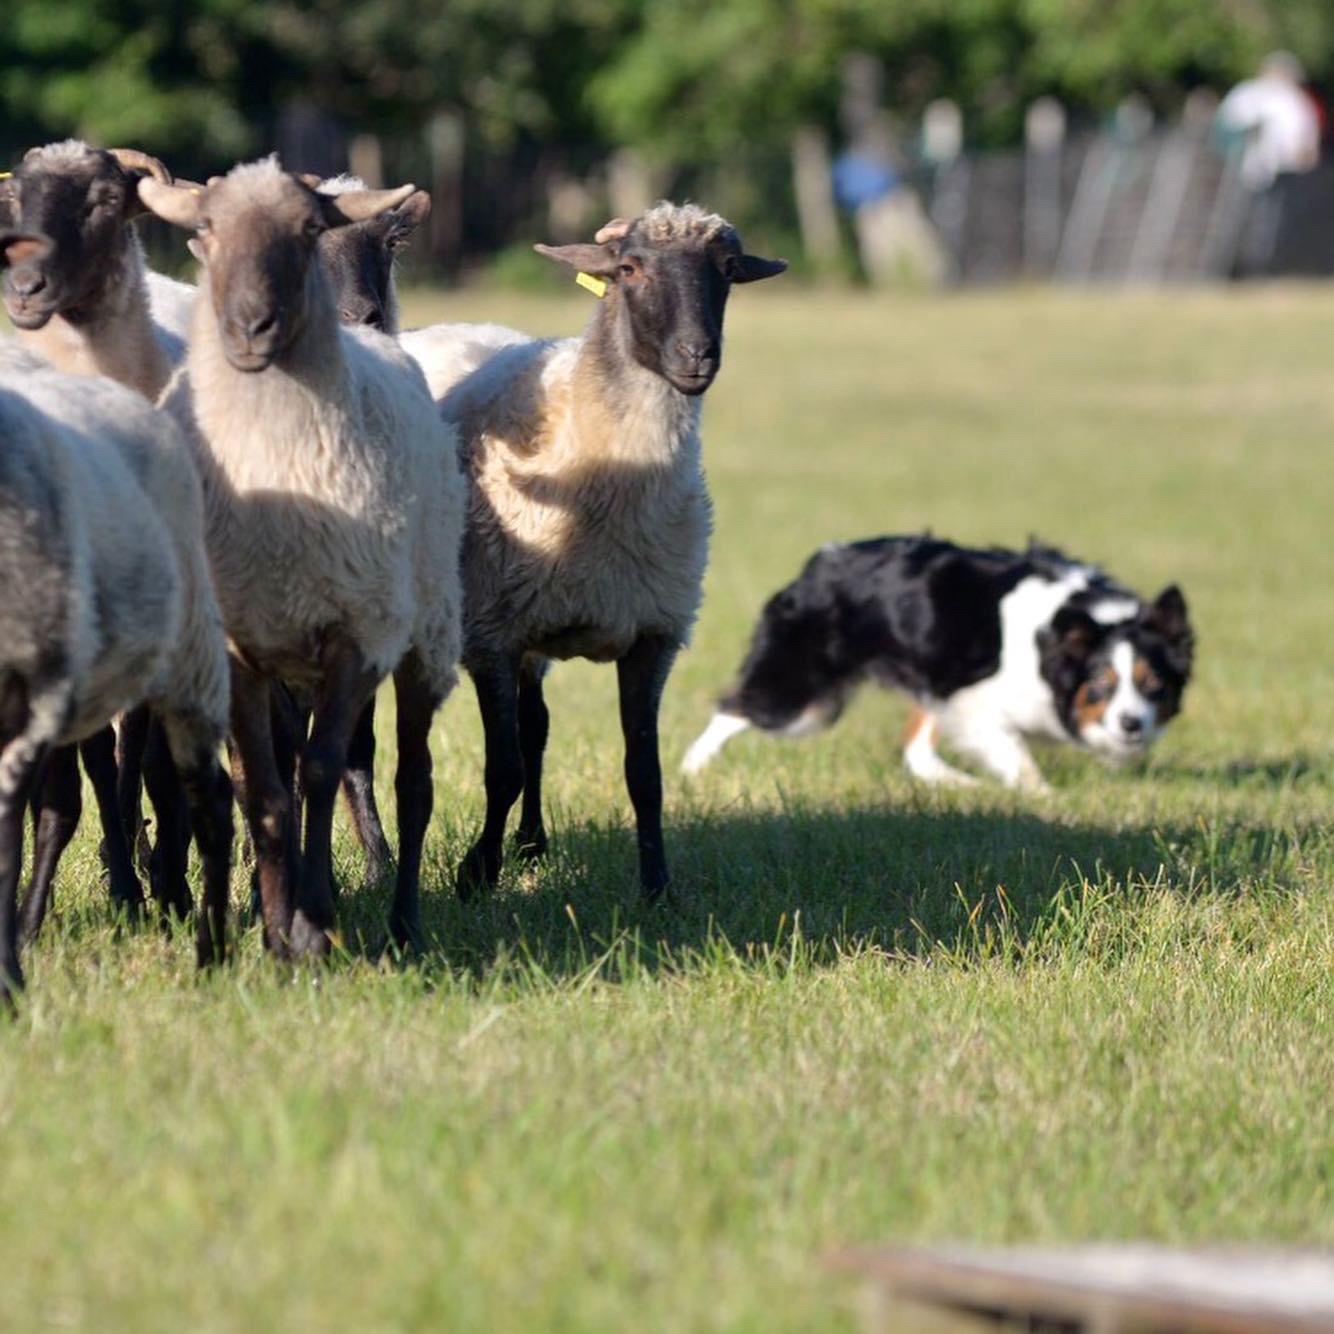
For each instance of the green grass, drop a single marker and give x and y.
(876, 1012)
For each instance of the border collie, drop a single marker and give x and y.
(995, 646)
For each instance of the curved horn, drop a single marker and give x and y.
(358, 205)
(178, 204)
(134, 160)
(613, 230)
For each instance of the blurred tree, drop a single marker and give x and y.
(550, 86)
(701, 78)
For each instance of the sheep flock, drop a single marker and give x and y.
(229, 511)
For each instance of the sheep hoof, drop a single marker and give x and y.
(655, 889)
(530, 845)
(406, 933)
(480, 869)
(208, 952)
(308, 940)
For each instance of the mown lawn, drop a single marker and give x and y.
(874, 1012)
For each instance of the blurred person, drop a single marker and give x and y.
(1278, 124)
(1279, 117)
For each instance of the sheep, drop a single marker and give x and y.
(107, 603)
(358, 261)
(334, 510)
(89, 305)
(589, 518)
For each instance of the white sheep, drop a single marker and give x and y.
(333, 517)
(107, 603)
(589, 519)
(358, 261)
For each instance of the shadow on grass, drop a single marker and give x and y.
(905, 881)
(1282, 771)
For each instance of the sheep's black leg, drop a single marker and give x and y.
(348, 683)
(290, 723)
(641, 674)
(171, 850)
(268, 803)
(208, 795)
(59, 805)
(359, 789)
(98, 753)
(19, 761)
(534, 727)
(131, 739)
(497, 695)
(417, 703)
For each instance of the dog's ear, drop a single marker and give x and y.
(1073, 632)
(1168, 616)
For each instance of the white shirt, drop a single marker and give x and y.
(1286, 128)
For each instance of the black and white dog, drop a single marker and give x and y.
(995, 646)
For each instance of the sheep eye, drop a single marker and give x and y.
(627, 270)
(313, 229)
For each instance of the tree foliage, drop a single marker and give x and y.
(680, 79)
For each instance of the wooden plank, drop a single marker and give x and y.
(1132, 1286)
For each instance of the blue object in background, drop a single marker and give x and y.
(859, 180)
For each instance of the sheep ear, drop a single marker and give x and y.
(595, 259)
(361, 205)
(143, 165)
(178, 204)
(15, 247)
(407, 217)
(751, 268)
(615, 230)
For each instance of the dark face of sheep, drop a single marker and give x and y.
(81, 199)
(258, 231)
(669, 274)
(359, 262)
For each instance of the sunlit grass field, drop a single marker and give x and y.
(873, 1012)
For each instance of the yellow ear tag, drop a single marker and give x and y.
(598, 286)
(5, 175)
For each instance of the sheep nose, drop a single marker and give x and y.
(702, 351)
(26, 282)
(1132, 724)
(370, 317)
(260, 325)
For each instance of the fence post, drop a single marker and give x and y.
(812, 189)
(1044, 142)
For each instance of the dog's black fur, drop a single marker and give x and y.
(924, 615)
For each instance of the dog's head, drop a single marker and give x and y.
(1118, 684)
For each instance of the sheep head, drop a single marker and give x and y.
(359, 259)
(82, 199)
(258, 231)
(669, 273)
